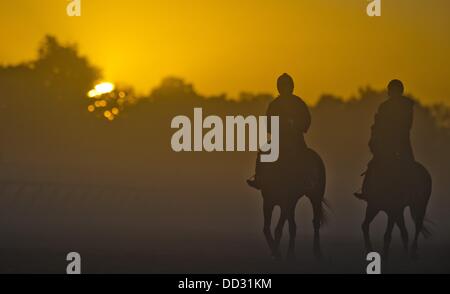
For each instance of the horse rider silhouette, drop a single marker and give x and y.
(390, 141)
(298, 172)
(394, 180)
(295, 121)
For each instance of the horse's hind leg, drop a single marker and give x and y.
(418, 216)
(419, 205)
(419, 227)
(317, 220)
(403, 231)
(388, 236)
(371, 213)
(267, 210)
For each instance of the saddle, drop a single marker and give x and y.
(290, 171)
(385, 179)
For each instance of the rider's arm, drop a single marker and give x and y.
(409, 117)
(269, 114)
(304, 118)
(307, 118)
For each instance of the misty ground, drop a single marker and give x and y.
(224, 256)
(188, 228)
(35, 241)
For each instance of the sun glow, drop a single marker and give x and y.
(101, 89)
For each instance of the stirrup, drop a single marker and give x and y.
(360, 196)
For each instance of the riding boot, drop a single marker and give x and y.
(254, 181)
(367, 183)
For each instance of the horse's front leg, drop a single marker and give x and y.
(388, 235)
(317, 220)
(292, 237)
(371, 213)
(279, 231)
(267, 210)
(403, 231)
(290, 216)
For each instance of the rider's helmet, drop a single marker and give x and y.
(395, 88)
(285, 84)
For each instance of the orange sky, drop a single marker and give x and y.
(230, 46)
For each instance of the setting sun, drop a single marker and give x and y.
(101, 89)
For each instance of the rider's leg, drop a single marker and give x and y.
(365, 185)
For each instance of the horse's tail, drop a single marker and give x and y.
(321, 180)
(324, 214)
(420, 200)
(426, 231)
(427, 223)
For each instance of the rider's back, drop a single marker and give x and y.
(391, 130)
(295, 120)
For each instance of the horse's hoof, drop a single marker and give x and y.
(406, 251)
(276, 255)
(414, 252)
(318, 253)
(291, 256)
(414, 256)
(367, 251)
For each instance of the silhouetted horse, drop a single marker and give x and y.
(284, 186)
(415, 192)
